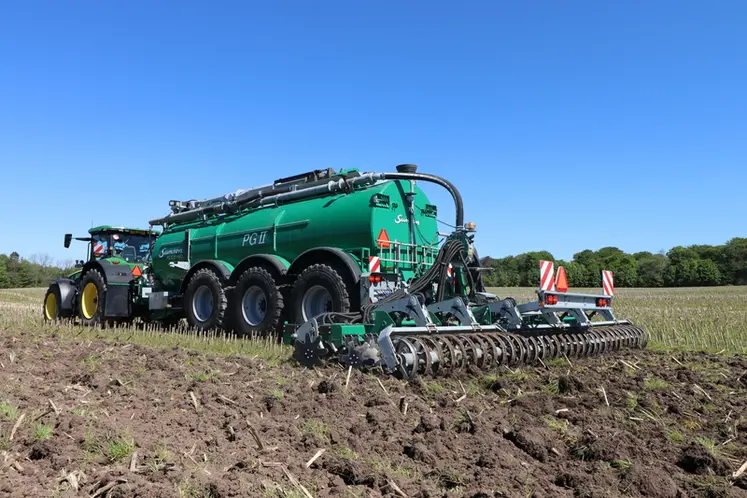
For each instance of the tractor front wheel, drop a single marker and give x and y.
(319, 289)
(205, 301)
(257, 304)
(92, 298)
(52, 304)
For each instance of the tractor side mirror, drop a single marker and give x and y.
(68, 238)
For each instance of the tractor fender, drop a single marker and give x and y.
(326, 255)
(276, 265)
(67, 293)
(221, 268)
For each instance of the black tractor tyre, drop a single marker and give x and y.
(207, 278)
(325, 276)
(259, 282)
(92, 298)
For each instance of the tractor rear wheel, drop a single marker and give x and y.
(257, 303)
(205, 301)
(92, 300)
(318, 289)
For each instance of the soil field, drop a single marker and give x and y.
(94, 417)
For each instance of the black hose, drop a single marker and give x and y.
(439, 181)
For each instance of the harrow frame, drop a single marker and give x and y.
(407, 337)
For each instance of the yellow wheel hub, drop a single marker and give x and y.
(89, 301)
(50, 307)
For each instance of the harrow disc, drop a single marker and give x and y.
(310, 351)
(435, 354)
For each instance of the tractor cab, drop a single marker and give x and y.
(127, 245)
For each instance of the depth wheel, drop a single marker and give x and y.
(205, 301)
(92, 301)
(257, 304)
(319, 289)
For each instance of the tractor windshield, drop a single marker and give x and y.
(133, 248)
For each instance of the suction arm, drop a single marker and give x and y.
(439, 181)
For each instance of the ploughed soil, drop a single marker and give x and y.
(115, 419)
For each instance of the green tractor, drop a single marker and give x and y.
(98, 292)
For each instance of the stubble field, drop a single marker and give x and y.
(128, 412)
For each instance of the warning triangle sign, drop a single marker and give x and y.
(561, 282)
(383, 239)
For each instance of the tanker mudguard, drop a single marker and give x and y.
(270, 261)
(222, 268)
(67, 293)
(318, 254)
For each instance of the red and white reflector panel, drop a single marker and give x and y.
(547, 275)
(98, 248)
(608, 283)
(374, 264)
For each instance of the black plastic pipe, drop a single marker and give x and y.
(439, 181)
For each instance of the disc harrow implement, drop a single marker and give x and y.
(444, 353)
(409, 334)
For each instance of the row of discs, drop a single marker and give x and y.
(437, 354)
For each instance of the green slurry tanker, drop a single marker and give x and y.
(347, 266)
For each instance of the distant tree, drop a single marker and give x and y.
(651, 269)
(707, 273)
(4, 280)
(592, 268)
(527, 265)
(735, 255)
(24, 276)
(679, 254)
(575, 273)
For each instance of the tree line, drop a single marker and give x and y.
(690, 266)
(36, 271)
(681, 266)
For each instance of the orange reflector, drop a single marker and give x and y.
(374, 279)
(602, 303)
(383, 239)
(561, 282)
(136, 272)
(551, 299)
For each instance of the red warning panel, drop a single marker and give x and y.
(561, 281)
(383, 239)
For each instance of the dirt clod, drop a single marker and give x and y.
(697, 460)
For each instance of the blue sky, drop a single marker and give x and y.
(566, 125)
